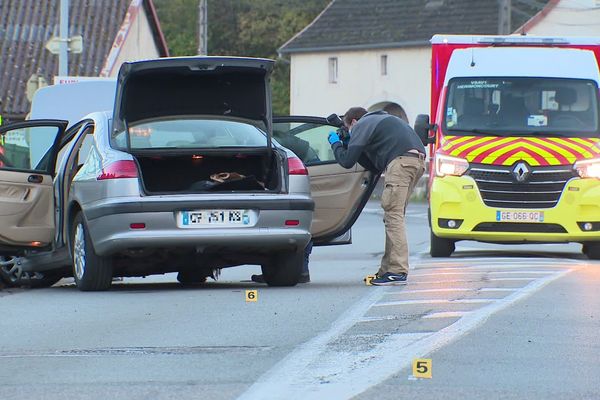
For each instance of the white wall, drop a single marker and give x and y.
(139, 43)
(571, 17)
(360, 82)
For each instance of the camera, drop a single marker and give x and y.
(341, 131)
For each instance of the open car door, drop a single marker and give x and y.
(340, 194)
(28, 153)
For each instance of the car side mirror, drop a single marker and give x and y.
(422, 127)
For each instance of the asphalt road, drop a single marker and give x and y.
(496, 321)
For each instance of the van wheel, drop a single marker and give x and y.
(283, 269)
(592, 250)
(440, 247)
(91, 271)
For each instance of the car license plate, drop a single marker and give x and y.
(519, 216)
(211, 218)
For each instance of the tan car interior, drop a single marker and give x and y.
(26, 209)
(337, 192)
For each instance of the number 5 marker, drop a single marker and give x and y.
(422, 368)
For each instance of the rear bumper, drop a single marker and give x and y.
(110, 231)
(458, 198)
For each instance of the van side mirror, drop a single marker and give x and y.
(422, 127)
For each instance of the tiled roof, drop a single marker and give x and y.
(26, 26)
(356, 24)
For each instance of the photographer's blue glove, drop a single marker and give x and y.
(333, 138)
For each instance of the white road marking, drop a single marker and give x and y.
(483, 272)
(433, 301)
(446, 314)
(432, 291)
(320, 368)
(425, 282)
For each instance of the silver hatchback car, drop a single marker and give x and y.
(187, 174)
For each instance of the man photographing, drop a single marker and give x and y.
(385, 143)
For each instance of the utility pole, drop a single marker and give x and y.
(504, 23)
(203, 27)
(63, 54)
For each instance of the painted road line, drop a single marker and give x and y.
(497, 289)
(483, 272)
(432, 291)
(484, 279)
(319, 369)
(433, 301)
(447, 314)
(507, 268)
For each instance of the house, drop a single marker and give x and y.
(376, 53)
(566, 17)
(113, 31)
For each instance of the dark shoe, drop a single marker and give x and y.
(304, 278)
(389, 279)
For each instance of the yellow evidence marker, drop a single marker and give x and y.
(368, 279)
(421, 368)
(251, 295)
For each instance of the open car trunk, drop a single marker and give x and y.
(211, 172)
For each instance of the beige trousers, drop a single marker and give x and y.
(401, 176)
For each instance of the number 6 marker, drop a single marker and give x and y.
(251, 295)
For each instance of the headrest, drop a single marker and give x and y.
(565, 96)
(473, 106)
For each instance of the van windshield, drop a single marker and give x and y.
(522, 106)
(191, 133)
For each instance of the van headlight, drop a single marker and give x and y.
(446, 165)
(588, 168)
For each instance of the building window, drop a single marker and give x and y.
(383, 64)
(333, 69)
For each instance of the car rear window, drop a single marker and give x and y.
(191, 133)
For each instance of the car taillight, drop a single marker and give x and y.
(119, 169)
(296, 167)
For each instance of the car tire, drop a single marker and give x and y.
(440, 247)
(283, 269)
(187, 277)
(91, 271)
(592, 250)
(13, 275)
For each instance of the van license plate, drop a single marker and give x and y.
(202, 218)
(519, 216)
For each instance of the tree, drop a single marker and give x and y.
(253, 28)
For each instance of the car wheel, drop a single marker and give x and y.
(91, 271)
(191, 277)
(283, 269)
(10, 270)
(440, 247)
(13, 275)
(592, 250)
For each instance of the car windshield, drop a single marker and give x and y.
(191, 133)
(522, 106)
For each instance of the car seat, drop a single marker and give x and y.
(473, 113)
(513, 111)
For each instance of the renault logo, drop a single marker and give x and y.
(521, 172)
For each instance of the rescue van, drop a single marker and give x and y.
(514, 141)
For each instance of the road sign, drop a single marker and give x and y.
(75, 44)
